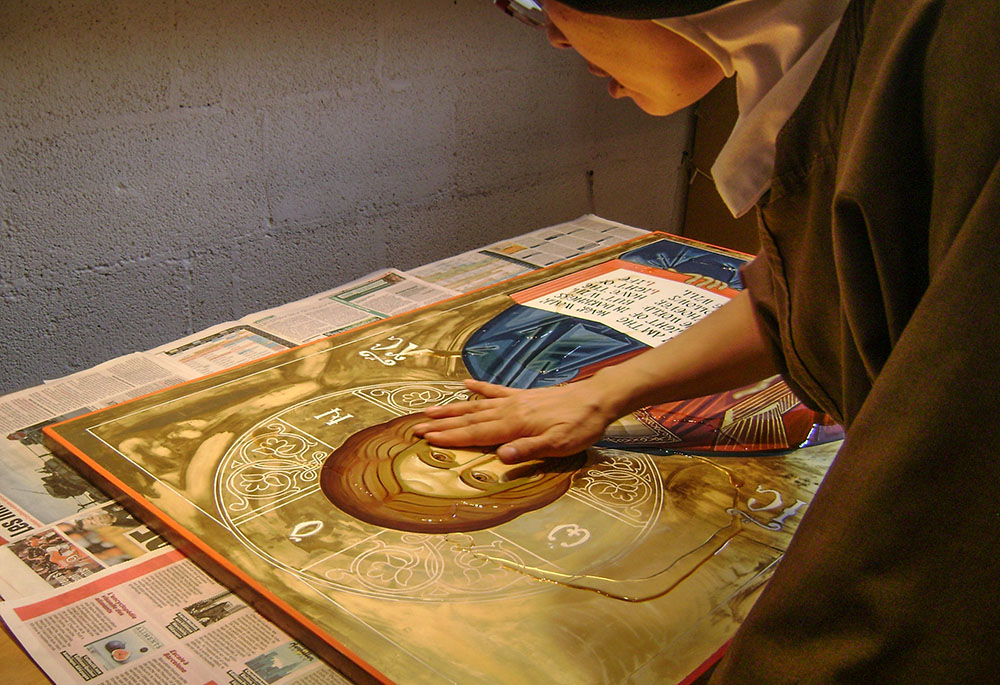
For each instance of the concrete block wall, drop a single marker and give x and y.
(170, 164)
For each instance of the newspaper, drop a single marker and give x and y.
(109, 383)
(160, 621)
(374, 297)
(81, 577)
(219, 347)
(508, 258)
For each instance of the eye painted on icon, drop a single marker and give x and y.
(443, 458)
(483, 477)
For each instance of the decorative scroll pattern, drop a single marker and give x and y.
(406, 399)
(271, 467)
(627, 487)
(415, 566)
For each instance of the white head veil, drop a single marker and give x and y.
(774, 48)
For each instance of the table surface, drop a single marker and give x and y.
(16, 665)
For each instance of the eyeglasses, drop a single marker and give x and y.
(527, 11)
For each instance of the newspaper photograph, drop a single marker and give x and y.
(74, 549)
(38, 488)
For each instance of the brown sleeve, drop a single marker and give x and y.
(892, 574)
(756, 278)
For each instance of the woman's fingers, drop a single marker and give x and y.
(461, 432)
(526, 424)
(533, 447)
(489, 389)
(458, 408)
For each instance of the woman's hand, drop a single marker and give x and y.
(526, 424)
(722, 351)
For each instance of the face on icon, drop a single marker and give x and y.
(448, 472)
(388, 476)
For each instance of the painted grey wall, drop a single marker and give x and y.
(170, 164)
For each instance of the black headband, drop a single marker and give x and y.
(643, 9)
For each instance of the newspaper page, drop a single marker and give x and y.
(547, 246)
(78, 547)
(508, 258)
(218, 348)
(56, 527)
(377, 296)
(109, 383)
(160, 621)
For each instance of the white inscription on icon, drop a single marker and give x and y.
(390, 351)
(305, 529)
(776, 504)
(336, 416)
(568, 535)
